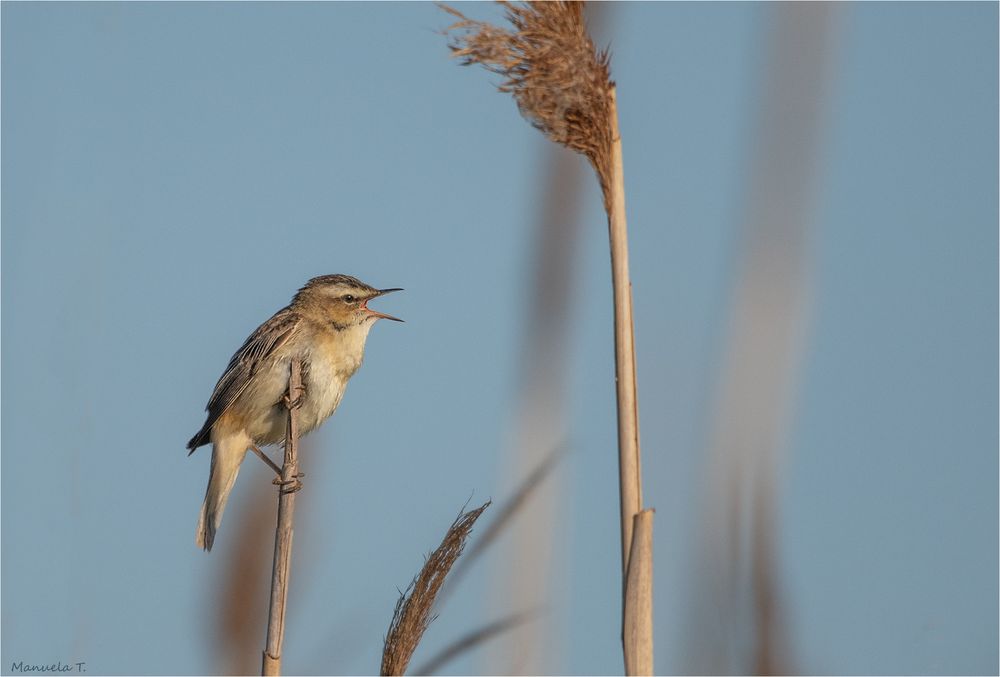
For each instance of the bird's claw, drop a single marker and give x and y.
(289, 486)
(295, 402)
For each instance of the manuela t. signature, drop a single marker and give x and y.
(58, 667)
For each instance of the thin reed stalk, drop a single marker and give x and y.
(629, 466)
(562, 85)
(284, 531)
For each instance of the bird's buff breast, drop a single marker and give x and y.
(329, 365)
(325, 385)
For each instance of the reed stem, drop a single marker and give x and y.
(637, 577)
(628, 409)
(284, 531)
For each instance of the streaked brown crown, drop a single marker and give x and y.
(332, 284)
(335, 298)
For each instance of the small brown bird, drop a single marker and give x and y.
(325, 327)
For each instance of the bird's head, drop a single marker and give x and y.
(342, 300)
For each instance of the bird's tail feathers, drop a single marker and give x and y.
(227, 455)
(203, 436)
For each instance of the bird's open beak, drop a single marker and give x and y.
(375, 313)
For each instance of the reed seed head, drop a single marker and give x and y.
(412, 614)
(560, 82)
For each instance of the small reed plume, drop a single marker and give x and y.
(412, 614)
(562, 85)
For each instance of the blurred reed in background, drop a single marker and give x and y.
(738, 610)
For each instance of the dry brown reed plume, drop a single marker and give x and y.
(560, 82)
(562, 85)
(412, 614)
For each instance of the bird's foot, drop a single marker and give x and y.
(295, 402)
(289, 486)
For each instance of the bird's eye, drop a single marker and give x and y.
(348, 298)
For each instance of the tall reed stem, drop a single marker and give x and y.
(637, 619)
(283, 533)
(629, 468)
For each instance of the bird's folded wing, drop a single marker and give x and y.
(255, 353)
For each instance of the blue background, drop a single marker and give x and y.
(172, 172)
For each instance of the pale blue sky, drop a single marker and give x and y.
(172, 172)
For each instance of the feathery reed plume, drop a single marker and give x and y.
(471, 640)
(412, 614)
(560, 82)
(282, 567)
(562, 85)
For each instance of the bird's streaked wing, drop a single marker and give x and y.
(268, 337)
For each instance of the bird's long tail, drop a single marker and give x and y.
(227, 454)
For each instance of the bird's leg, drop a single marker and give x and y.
(264, 457)
(289, 486)
(294, 484)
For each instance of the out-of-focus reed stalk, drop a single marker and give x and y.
(412, 614)
(242, 589)
(562, 86)
(539, 424)
(284, 531)
(509, 510)
(525, 609)
(471, 640)
(767, 332)
(501, 522)
(240, 600)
